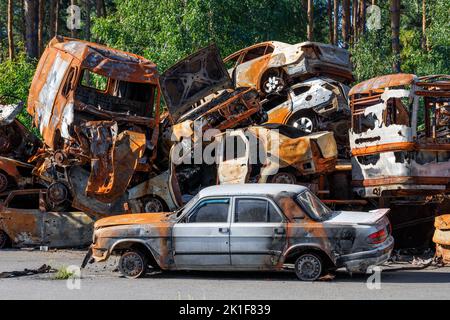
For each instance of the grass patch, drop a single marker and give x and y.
(64, 274)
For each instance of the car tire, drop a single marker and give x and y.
(305, 122)
(4, 182)
(283, 177)
(273, 82)
(308, 267)
(4, 240)
(133, 264)
(153, 204)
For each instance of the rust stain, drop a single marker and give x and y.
(382, 82)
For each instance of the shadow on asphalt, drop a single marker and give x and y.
(422, 276)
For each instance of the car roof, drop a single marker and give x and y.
(250, 189)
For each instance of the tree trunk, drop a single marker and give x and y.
(41, 26)
(395, 33)
(73, 30)
(22, 12)
(345, 22)
(57, 17)
(355, 20)
(335, 22)
(330, 21)
(31, 26)
(100, 8)
(362, 17)
(10, 30)
(87, 24)
(51, 25)
(424, 25)
(310, 29)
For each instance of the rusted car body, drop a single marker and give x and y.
(15, 174)
(400, 137)
(316, 104)
(95, 106)
(26, 222)
(276, 154)
(246, 227)
(442, 237)
(16, 141)
(198, 88)
(272, 66)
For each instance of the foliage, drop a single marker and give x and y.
(15, 80)
(63, 274)
(165, 32)
(372, 54)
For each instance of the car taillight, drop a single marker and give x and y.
(378, 237)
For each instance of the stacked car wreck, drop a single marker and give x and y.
(108, 148)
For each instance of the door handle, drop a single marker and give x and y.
(280, 231)
(224, 230)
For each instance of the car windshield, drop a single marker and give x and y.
(313, 206)
(187, 206)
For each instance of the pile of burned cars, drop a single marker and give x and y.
(117, 137)
(98, 112)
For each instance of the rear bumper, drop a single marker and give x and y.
(360, 261)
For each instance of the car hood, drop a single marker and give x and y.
(131, 219)
(357, 217)
(192, 79)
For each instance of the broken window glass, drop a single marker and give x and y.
(362, 123)
(254, 53)
(93, 80)
(310, 203)
(301, 89)
(24, 201)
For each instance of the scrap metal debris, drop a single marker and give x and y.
(27, 272)
(442, 238)
(107, 150)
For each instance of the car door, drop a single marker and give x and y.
(202, 237)
(257, 233)
(22, 219)
(233, 158)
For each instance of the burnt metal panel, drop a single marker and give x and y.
(192, 79)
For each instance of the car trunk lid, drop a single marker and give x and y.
(357, 217)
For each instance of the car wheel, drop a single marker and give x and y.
(273, 82)
(3, 182)
(4, 239)
(308, 267)
(153, 204)
(133, 264)
(305, 123)
(283, 177)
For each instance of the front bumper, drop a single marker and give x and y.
(359, 262)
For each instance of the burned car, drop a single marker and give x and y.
(274, 153)
(15, 174)
(316, 104)
(272, 66)
(97, 110)
(198, 88)
(25, 221)
(16, 141)
(246, 227)
(400, 136)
